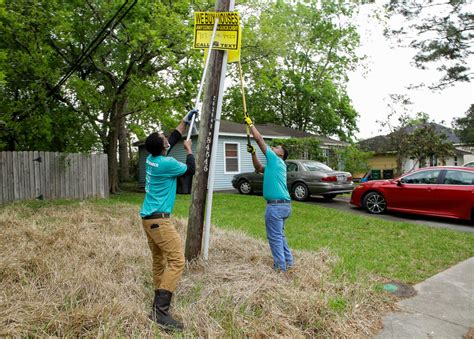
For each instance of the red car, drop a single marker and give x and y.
(437, 191)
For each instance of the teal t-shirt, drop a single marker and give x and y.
(274, 177)
(160, 185)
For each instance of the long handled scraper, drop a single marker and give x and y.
(198, 97)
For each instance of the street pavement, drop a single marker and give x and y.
(342, 203)
(442, 308)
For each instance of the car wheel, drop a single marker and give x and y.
(329, 197)
(300, 191)
(375, 203)
(244, 187)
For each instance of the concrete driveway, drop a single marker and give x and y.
(342, 203)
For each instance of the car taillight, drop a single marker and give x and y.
(329, 179)
(349, 178)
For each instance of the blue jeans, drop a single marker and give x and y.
(275, 216)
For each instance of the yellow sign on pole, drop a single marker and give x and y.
(227, 34)
(233, 56)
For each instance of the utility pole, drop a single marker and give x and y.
(204, 145)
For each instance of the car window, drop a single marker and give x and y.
(469, 164)
(314, 166)
(424, 177)
(292, 167)
(458, 178)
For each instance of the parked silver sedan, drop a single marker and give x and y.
(304, 178)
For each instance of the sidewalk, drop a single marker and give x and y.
(442, 308)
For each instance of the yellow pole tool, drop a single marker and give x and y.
(242, 89)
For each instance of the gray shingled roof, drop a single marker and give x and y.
(269, 130)
(440, 129)
(264, 129)
(378, 144)
(382, 144)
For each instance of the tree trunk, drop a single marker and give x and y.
(124, 170)
(112, 159)
(112, 146)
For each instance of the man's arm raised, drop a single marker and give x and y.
(256, 164)
(256, 135)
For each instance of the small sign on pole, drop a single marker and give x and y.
(227, 35)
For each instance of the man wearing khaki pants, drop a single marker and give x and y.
(163, 239)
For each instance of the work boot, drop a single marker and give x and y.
(160, 313)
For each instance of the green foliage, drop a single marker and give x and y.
(418, 138)
(301, 148)
(354, 160)
(443, 37)
(3, 58)
(31, 66)
(296, 77)
(464, 127)
(143, 71)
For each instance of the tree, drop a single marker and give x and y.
(353, 159)
(297, 77)
(398, 140)
(31, 119)
(301, 148)
(419, 139)
(443, 32)
(464, 127)
(425, 143)
(142, 74)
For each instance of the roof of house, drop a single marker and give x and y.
(382, 143)
(440, 129)
(269, 130)
(378, 144)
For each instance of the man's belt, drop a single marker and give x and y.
(157, 215)
(278, 201)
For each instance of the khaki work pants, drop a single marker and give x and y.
(167, 252)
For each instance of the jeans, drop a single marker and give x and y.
(275, 216)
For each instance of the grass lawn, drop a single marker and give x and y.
(399, 251)
(82, 269)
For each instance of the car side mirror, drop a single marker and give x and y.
(398, 182)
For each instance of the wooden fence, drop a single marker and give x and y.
(52, 175)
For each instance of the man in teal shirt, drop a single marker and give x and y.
(275, 192)
(163, 239)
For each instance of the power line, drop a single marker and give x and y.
(94, 44)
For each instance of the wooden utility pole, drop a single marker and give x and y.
(204, 147)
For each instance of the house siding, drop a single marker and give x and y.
(382, 162)
(222, 180)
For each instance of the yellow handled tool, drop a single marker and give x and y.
(242, 89)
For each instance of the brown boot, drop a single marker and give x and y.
(160, 313)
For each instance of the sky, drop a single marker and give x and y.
(389, 71)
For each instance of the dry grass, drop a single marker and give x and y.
(85, 270)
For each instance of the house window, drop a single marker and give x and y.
(231, 151)
(326, 155)
(455, 160)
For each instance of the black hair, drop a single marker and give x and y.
(154, 144)
(285, 152)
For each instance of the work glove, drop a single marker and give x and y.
(189, 117)
(250, 149)
(248, 121)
